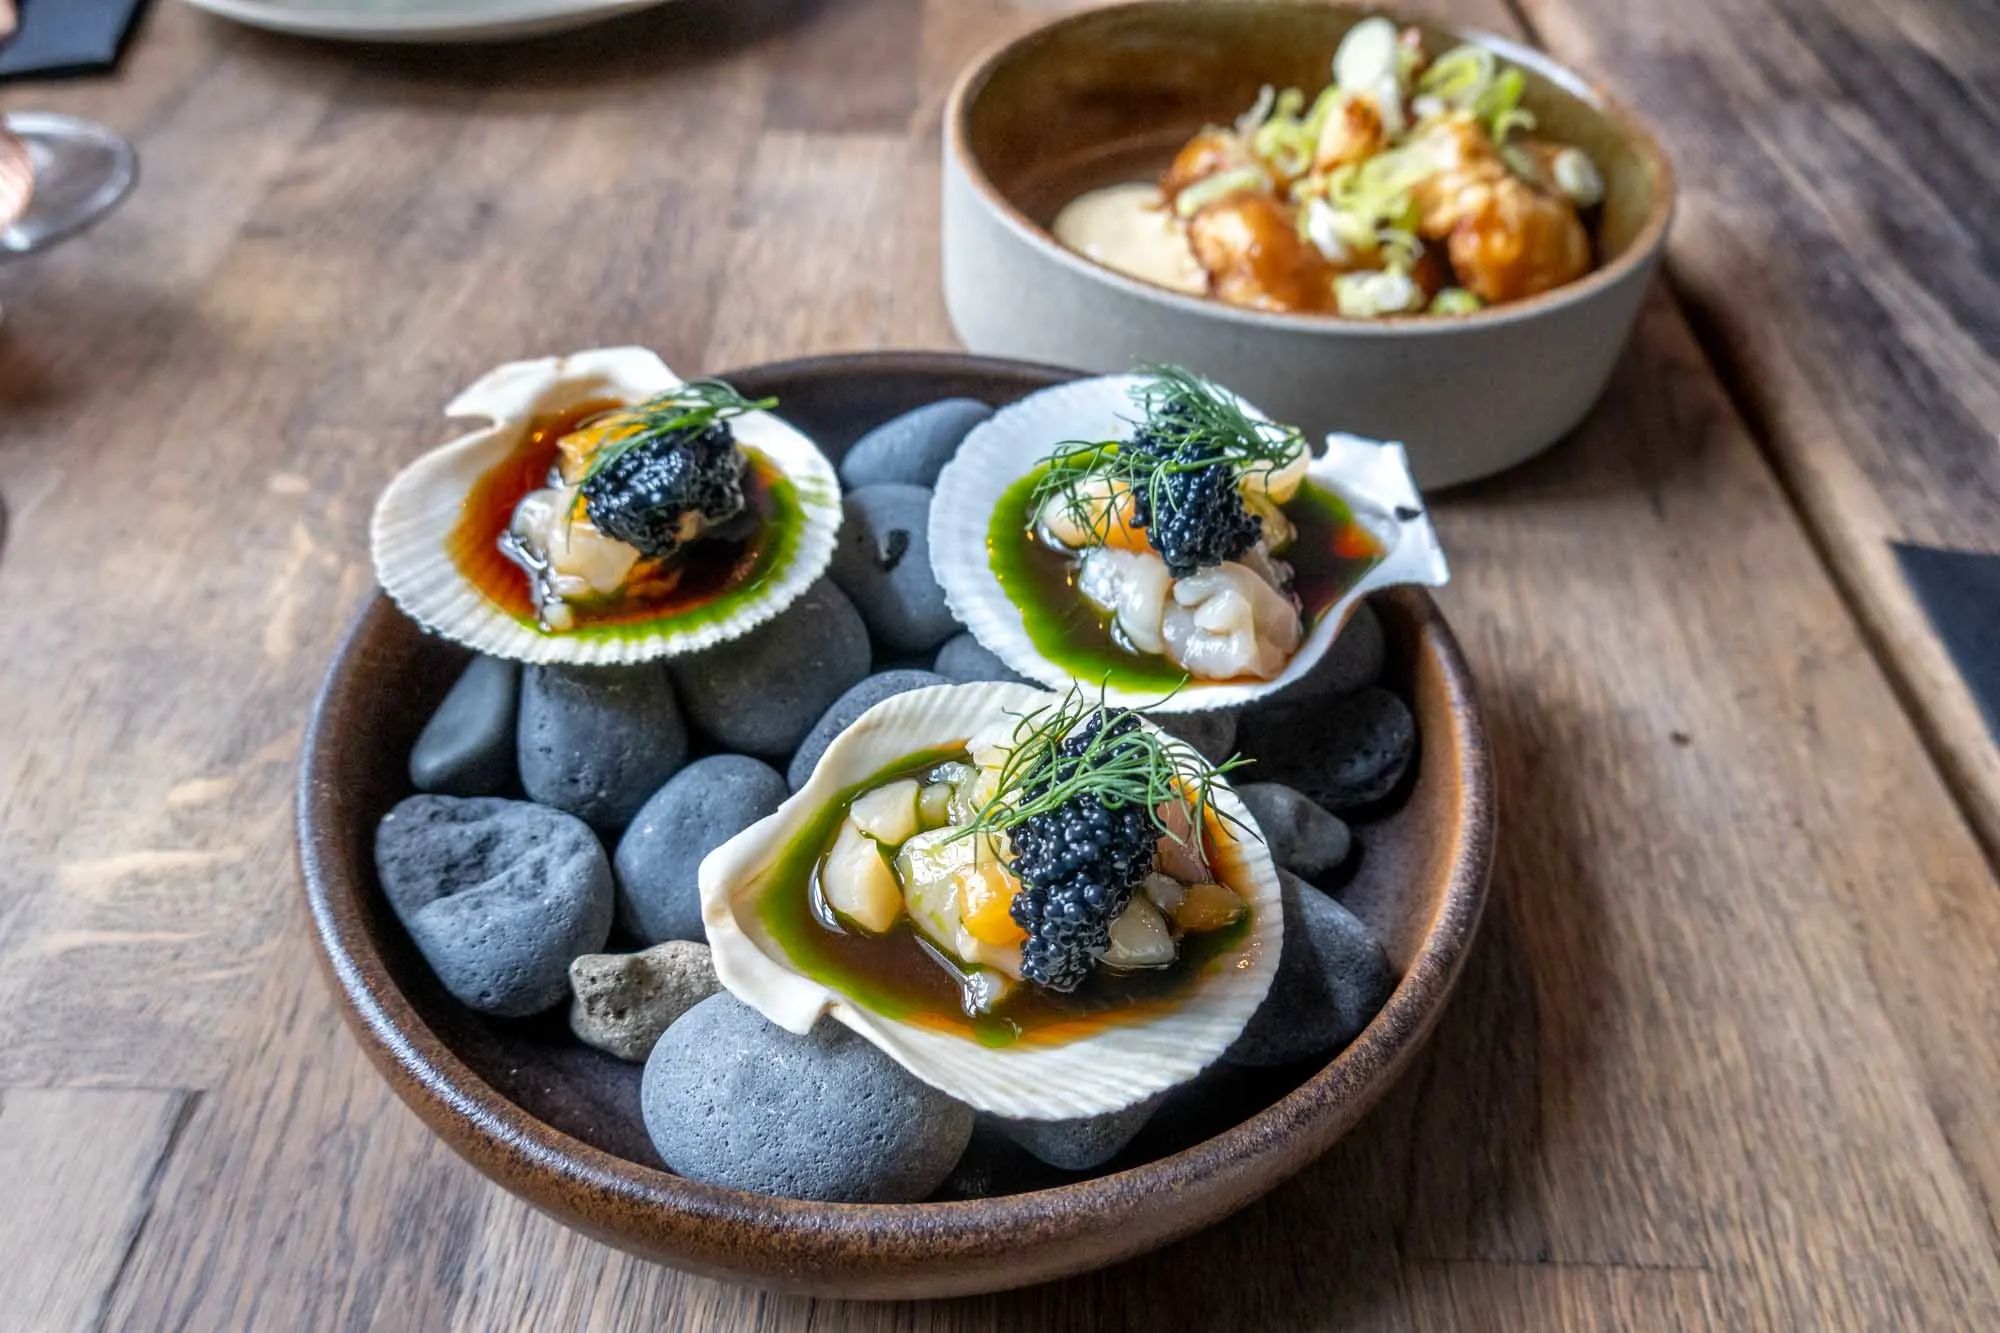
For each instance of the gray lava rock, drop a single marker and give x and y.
(597, 741)
(1332, 977)
(701, 807)
(1212, 734)
(964, 659)
(883, 562)
(845, 709)
(1340, 752)
(497, 895)
(1354, 662)
(1305, 839)
(467, 748)
(994, 1164)
(733, 1100)
(914, 447)
(1077, 1145)
(760, 694)
(624, 1001)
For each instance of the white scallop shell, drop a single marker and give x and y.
(1105, 1071)
(1373, 477)
(416, 514)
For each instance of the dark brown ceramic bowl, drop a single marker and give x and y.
(1110, 95)
(558, 1123)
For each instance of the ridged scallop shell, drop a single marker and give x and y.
(1106, 1070)
(1373, 477)
(416, 514)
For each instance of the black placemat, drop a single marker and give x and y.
(68, 37)
(1960, 592)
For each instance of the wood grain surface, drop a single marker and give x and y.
(1723, 1059)
(1839, 245)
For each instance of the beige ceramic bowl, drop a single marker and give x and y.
(1109, 95)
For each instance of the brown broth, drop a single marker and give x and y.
(695, 581)
(901, 976)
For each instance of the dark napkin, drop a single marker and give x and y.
(68, 37)
(1960, 592)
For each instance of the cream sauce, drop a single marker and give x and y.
(1127, 228)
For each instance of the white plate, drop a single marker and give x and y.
(420, 20)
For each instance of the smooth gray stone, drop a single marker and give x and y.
(597, 741)
(914, 447)
(1304, 839)
(1354, 662)
(1341, 752)
(964, 659)
(994, 1164)
(761, 694)
(1332, 978)
(624, 1001)
(467, 748)
(701, 807)
(1357, 657)
(733, 1100)
(498, 896)
(1077, 1145)
(845, 709)
(1212, 734)
(883, 562)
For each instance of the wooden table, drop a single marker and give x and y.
(1725, 1056)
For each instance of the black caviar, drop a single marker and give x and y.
(1200, 518)
(642, 493)
(1077, 864)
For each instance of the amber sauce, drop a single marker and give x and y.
(695, 580)
(899, 975)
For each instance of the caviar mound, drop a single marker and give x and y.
(645, 495)
(1086, 613)
(1115, 1061)
(1078, 865)
(443, 535)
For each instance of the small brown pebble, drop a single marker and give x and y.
(624, 1001)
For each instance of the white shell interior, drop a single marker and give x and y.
(1372, 476)
(1105, 1071)
(416, 514)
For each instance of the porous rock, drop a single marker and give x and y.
(467, 748)
(597, 741)
(1332, 978)
(845, 709)
(700, 808)
(914, 447)
(1303, 838)
(497, 895)
(883, 562)
(761, 694)
(622, 1002)
(734, 1100)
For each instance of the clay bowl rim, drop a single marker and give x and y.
(1637, 256)
(578, 1183)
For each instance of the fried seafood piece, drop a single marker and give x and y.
(1516, 241)
(1353, 134)
(1209, 153)
(1506, 239)
(1250, 246)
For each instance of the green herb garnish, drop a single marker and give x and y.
(1191, 425)
(1132, 767)
(1499, 107)
(693, 406)
(1459, 77)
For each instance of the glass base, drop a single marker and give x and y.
(82, 170)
